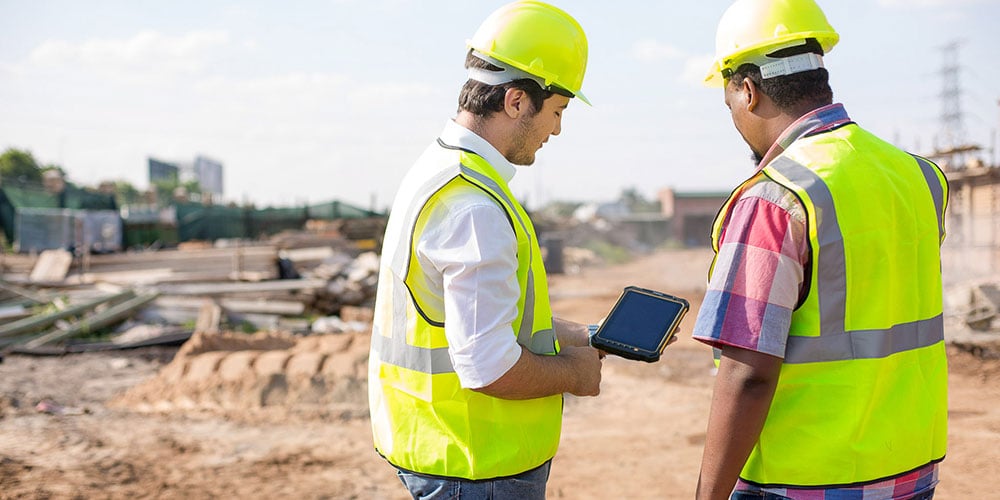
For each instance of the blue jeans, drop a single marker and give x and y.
(760, 495)
(526, 485)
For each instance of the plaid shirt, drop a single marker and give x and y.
(757, 282)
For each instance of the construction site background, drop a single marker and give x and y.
(234, 362)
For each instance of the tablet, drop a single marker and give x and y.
(640, 324)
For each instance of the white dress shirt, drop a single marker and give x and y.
(470, 242)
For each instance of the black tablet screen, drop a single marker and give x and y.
(640, 320)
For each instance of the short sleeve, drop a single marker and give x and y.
(758, 273)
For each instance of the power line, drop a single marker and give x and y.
(952, 118)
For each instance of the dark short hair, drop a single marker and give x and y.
(482, 99)
(790, 92)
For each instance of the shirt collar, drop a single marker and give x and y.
(458, 136)
(813, 122)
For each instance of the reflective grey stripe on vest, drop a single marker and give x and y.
(395, 351)
(832, 276)
(937, 191)
(833, 342)
(865, 344)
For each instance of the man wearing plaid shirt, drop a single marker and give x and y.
(824, 300)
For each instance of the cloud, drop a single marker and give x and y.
(695, 69)
(650, 50)
(315, 91)
(146, 52)
(391, 94)
(310, 84)
(9, 69)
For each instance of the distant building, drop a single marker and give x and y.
(692, 214)
(205, 171)
(208, 173)
(161, 171)
(971, 248)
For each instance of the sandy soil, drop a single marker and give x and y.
(65, 434)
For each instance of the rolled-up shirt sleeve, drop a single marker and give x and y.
(475, 250)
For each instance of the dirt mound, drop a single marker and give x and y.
(234, 371)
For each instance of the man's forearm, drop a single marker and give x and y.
(742, 397)
(576, 370)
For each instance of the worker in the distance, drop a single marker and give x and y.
(825, 295)
(468, 367)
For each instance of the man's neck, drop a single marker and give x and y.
(489, 128)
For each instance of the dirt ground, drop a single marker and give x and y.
(118, 425)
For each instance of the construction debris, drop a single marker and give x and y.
(257, 325)
(92, 323)
(971, 313)
(199, 289)
(984, 306)
(43, 320)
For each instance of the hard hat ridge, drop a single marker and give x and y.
(538, 39)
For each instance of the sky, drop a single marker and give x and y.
(312, 101)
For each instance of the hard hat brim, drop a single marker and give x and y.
(826, 39)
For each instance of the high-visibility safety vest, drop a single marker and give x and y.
(862, 392)
(422, 419)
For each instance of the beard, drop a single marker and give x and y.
(521, 152)
(756, 157)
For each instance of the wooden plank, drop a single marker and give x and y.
(264, 306)
(38, 298)
(9, 341)
(158, 276)
(170, 257)
(282, 307)
(129, 277)
(58, 350)
(299, 255)
(258, 287)
(209, 318)
(40, 321)
(52, 266)
(13, 312)
(170, 336)
(93, 322)
(170, 315)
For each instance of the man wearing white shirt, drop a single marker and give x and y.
(468, 366)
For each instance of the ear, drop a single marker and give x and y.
(515, 102)
(752, 94)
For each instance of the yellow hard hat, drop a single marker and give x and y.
(749, 29)
(534, 40)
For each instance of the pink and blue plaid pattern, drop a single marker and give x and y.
(900, 488)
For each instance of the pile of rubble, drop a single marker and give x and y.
(50, 301)
(238, 372)
(277, 325)
(972, 316)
